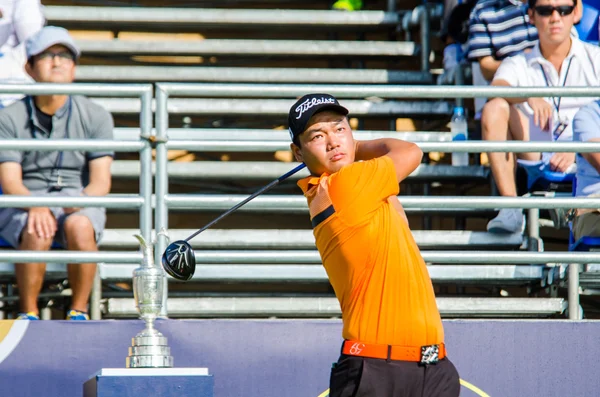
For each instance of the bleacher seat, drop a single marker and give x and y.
(302, 239)
(278, 107)
(141, 73)
(585, 243)
(587, 28)
(326, 307)
(193, 19)
(540, 176)
(258, 48)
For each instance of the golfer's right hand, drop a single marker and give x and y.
(41, 222)
(542, 113)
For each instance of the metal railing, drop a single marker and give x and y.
(141, 201)
(164, 201)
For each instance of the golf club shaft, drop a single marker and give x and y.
(251, 197)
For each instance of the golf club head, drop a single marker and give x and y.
(178, 260)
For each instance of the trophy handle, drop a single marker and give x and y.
(164, 232)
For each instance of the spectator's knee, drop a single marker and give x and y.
(495, 114)
(32, 242)
(79, 233)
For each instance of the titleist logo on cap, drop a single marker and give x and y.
(309, 103)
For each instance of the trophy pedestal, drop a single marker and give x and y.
(164, 382)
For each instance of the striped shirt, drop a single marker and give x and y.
(499, 28)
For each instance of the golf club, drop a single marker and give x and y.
(179, 261)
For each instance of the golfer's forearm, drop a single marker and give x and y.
(367, 150)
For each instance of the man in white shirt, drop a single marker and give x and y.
(556, 60)
(19, 20)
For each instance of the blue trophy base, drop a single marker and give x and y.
(164, 382)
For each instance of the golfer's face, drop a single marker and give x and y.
(327, 143)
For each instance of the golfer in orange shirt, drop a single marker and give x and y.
(393, 334)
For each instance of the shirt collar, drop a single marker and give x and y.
(536, 57)
(61, 112)
(306, 183)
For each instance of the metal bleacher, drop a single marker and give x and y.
(235, 248)
(229, 256)
(269, 141)
(249, 74)
(318, 25)
(251, 272)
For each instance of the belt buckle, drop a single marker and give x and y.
(430, 354)
(55, 188)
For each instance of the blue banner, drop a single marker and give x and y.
(292, 358)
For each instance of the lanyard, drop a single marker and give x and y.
(56, 180)
(554, 100)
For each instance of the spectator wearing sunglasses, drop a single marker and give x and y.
(557, 59)
(498, 29)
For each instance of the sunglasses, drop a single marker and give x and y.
(546, 11)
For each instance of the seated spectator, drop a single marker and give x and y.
(498, 29)
(19, 20)
(558, 59)
(456, 37)
(52, 56)
(586, 128)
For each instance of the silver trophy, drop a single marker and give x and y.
(149, 348)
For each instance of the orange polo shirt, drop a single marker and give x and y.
(371, 257)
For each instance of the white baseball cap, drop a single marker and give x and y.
(47, 37)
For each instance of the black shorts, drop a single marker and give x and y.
(355, 376)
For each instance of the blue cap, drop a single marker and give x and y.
(459, 110)
(47, 37)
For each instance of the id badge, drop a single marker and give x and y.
(559, 128)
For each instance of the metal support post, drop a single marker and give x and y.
(459, 79)
(533, 228)
(95, 297)
(46, 313)
(424, 38)
(574, 291)
(146, 166)
(162, 182)
(391, 5)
